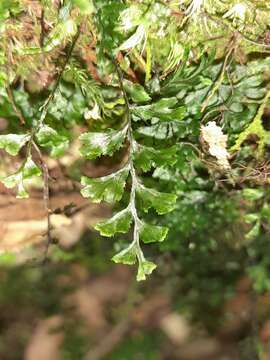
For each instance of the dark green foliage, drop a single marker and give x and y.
(148, 157)
(161, 202)
(166, 109)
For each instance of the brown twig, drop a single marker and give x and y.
(221, 75)
(43, 163)
(45, 171)
(42, 29)
(51, 96)
(46, 198)
(14, 106)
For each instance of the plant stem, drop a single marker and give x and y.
(46, 198)
(134, 181)
(45, 171)
(45, 106)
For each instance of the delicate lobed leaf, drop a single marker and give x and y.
(255, 127)
(130, 255)
(95, 144)
(147, 157)
(145, 268)
(12, 143)
(28, 170)
(50, 138)
(152, 233)
(161, 202)
(108, 188)
(119, 223)
(126, 256)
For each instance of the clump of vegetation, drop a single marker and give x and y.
(181, 87)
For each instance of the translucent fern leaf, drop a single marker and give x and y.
(49, 138)
(95, 144)
(119, 223)
(28, 170)
(148, 157)
(108, 188)
(151, 198)
(152, 233)
(12, 143)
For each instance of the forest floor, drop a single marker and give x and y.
(80, 306)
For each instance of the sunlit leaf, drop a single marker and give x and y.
(119, 223)
(86, 6)
(145, 268)
(51, 139)
(126, 256)
(12, 143)
(152, 233)
(95, 144)
(252, 194)
(28, 170)
(108, 188)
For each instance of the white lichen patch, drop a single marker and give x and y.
(217, 142)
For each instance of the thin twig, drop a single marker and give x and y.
(220, 78)
(46, 198)
(42, 28)
(46, 193)
(45, 106)
(45, 171)
(230, 27)
(134, 180)
(14, 106)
